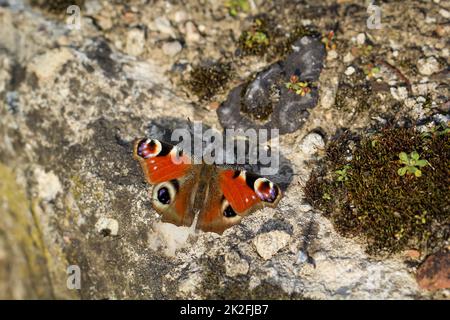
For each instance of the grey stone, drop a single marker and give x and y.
(268, 91)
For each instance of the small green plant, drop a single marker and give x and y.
(439, 130)
(256, 40)
(363, 50)
(370, 70)
(329, 41)
(412, 163)
(299, 87)
(342, 173)
(236, 6)
(256, 36)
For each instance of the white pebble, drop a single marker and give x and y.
(172, 48)
(361, 38)
(428, 66)
(332, 55)
(192, 35)
(107, 226)
(445, 13)
(348, 57)
(162, 24)
(48, 184)
(311, 143)
(135, 42)
(400, 93)
(180, 16)
(349, 71)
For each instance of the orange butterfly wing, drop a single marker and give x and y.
(234, 194)
(231, 194)
(174, 178)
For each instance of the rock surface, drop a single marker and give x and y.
(71, 102)
(434, 273)
(428, 66)
(268, 244)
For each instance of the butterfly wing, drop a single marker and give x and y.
(234, 194)
(174, 176)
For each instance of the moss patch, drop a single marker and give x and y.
(265, 38)
(284, 44)
(207, 79)
(364, 195)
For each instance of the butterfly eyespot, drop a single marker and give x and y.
(164, 194)
(229, 212)
(266, 190)
(147, 148)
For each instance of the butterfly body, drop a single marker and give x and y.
(220, 196)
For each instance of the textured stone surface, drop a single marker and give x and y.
(428, 66)
(235, 265)
(268, 244)
(434, 272)
(71, 102)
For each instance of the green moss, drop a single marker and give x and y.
(216, 286)
(356, 93)
(207, 79)
(391, 212)
(236, 6)
(283, 43)
(265, 38)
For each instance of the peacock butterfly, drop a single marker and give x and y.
(220, 196)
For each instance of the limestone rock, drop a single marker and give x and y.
(428, 66)
(47, 64)
(235, 265)
(268, 244)
(71, 194)
(107, 226)
(135, 42)
(48, 184)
